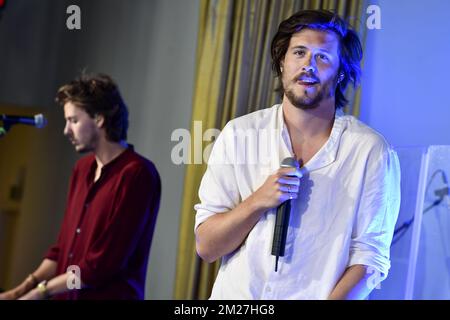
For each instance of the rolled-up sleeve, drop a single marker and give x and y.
(377, 211)
(218, 190)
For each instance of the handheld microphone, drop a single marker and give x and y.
(37, 121)
(282, 219)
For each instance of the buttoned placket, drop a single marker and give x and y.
(284, 150)
(78, 230)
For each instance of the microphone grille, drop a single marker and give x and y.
(289, 163)
(40, 121)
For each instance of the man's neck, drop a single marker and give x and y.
(107, 151)
(309, 123)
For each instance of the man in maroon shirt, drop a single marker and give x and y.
(104, 241)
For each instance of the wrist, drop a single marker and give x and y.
(42, 289)
(32, 281)
(27, 285)
(255, 205)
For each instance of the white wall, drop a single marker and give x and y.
(405, 86)
(406, 98)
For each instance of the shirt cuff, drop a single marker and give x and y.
(52, 254)
(372, 260)
(201, 216)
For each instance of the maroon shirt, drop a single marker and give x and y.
(108, 227)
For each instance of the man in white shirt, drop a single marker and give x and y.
(344, 200)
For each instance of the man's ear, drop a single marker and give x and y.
(99, 120)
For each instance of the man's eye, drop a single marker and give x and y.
(300, 53)
(323, 57)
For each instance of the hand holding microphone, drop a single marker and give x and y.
(283, 215)
(282, 185)
(276, 192)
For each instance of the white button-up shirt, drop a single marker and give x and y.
(345, 214)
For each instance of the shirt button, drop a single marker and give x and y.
(86, 205)
(78, 230)
(268, 289)
(70, 255)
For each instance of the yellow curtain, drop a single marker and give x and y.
(233, 78)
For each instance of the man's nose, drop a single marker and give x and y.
(310, 64)
(66, 129)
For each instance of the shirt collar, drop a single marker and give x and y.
(328, 152)
(120, 158)
(113, 163)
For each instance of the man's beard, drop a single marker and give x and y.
(306, 102)
(84, 149)
(88, 146)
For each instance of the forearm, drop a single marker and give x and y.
(224, 232)
(57, 285)
(46, 270)
(353, 285)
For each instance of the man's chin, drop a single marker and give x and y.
(82, 149)
(304, 103)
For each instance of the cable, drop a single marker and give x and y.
(404, 227)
